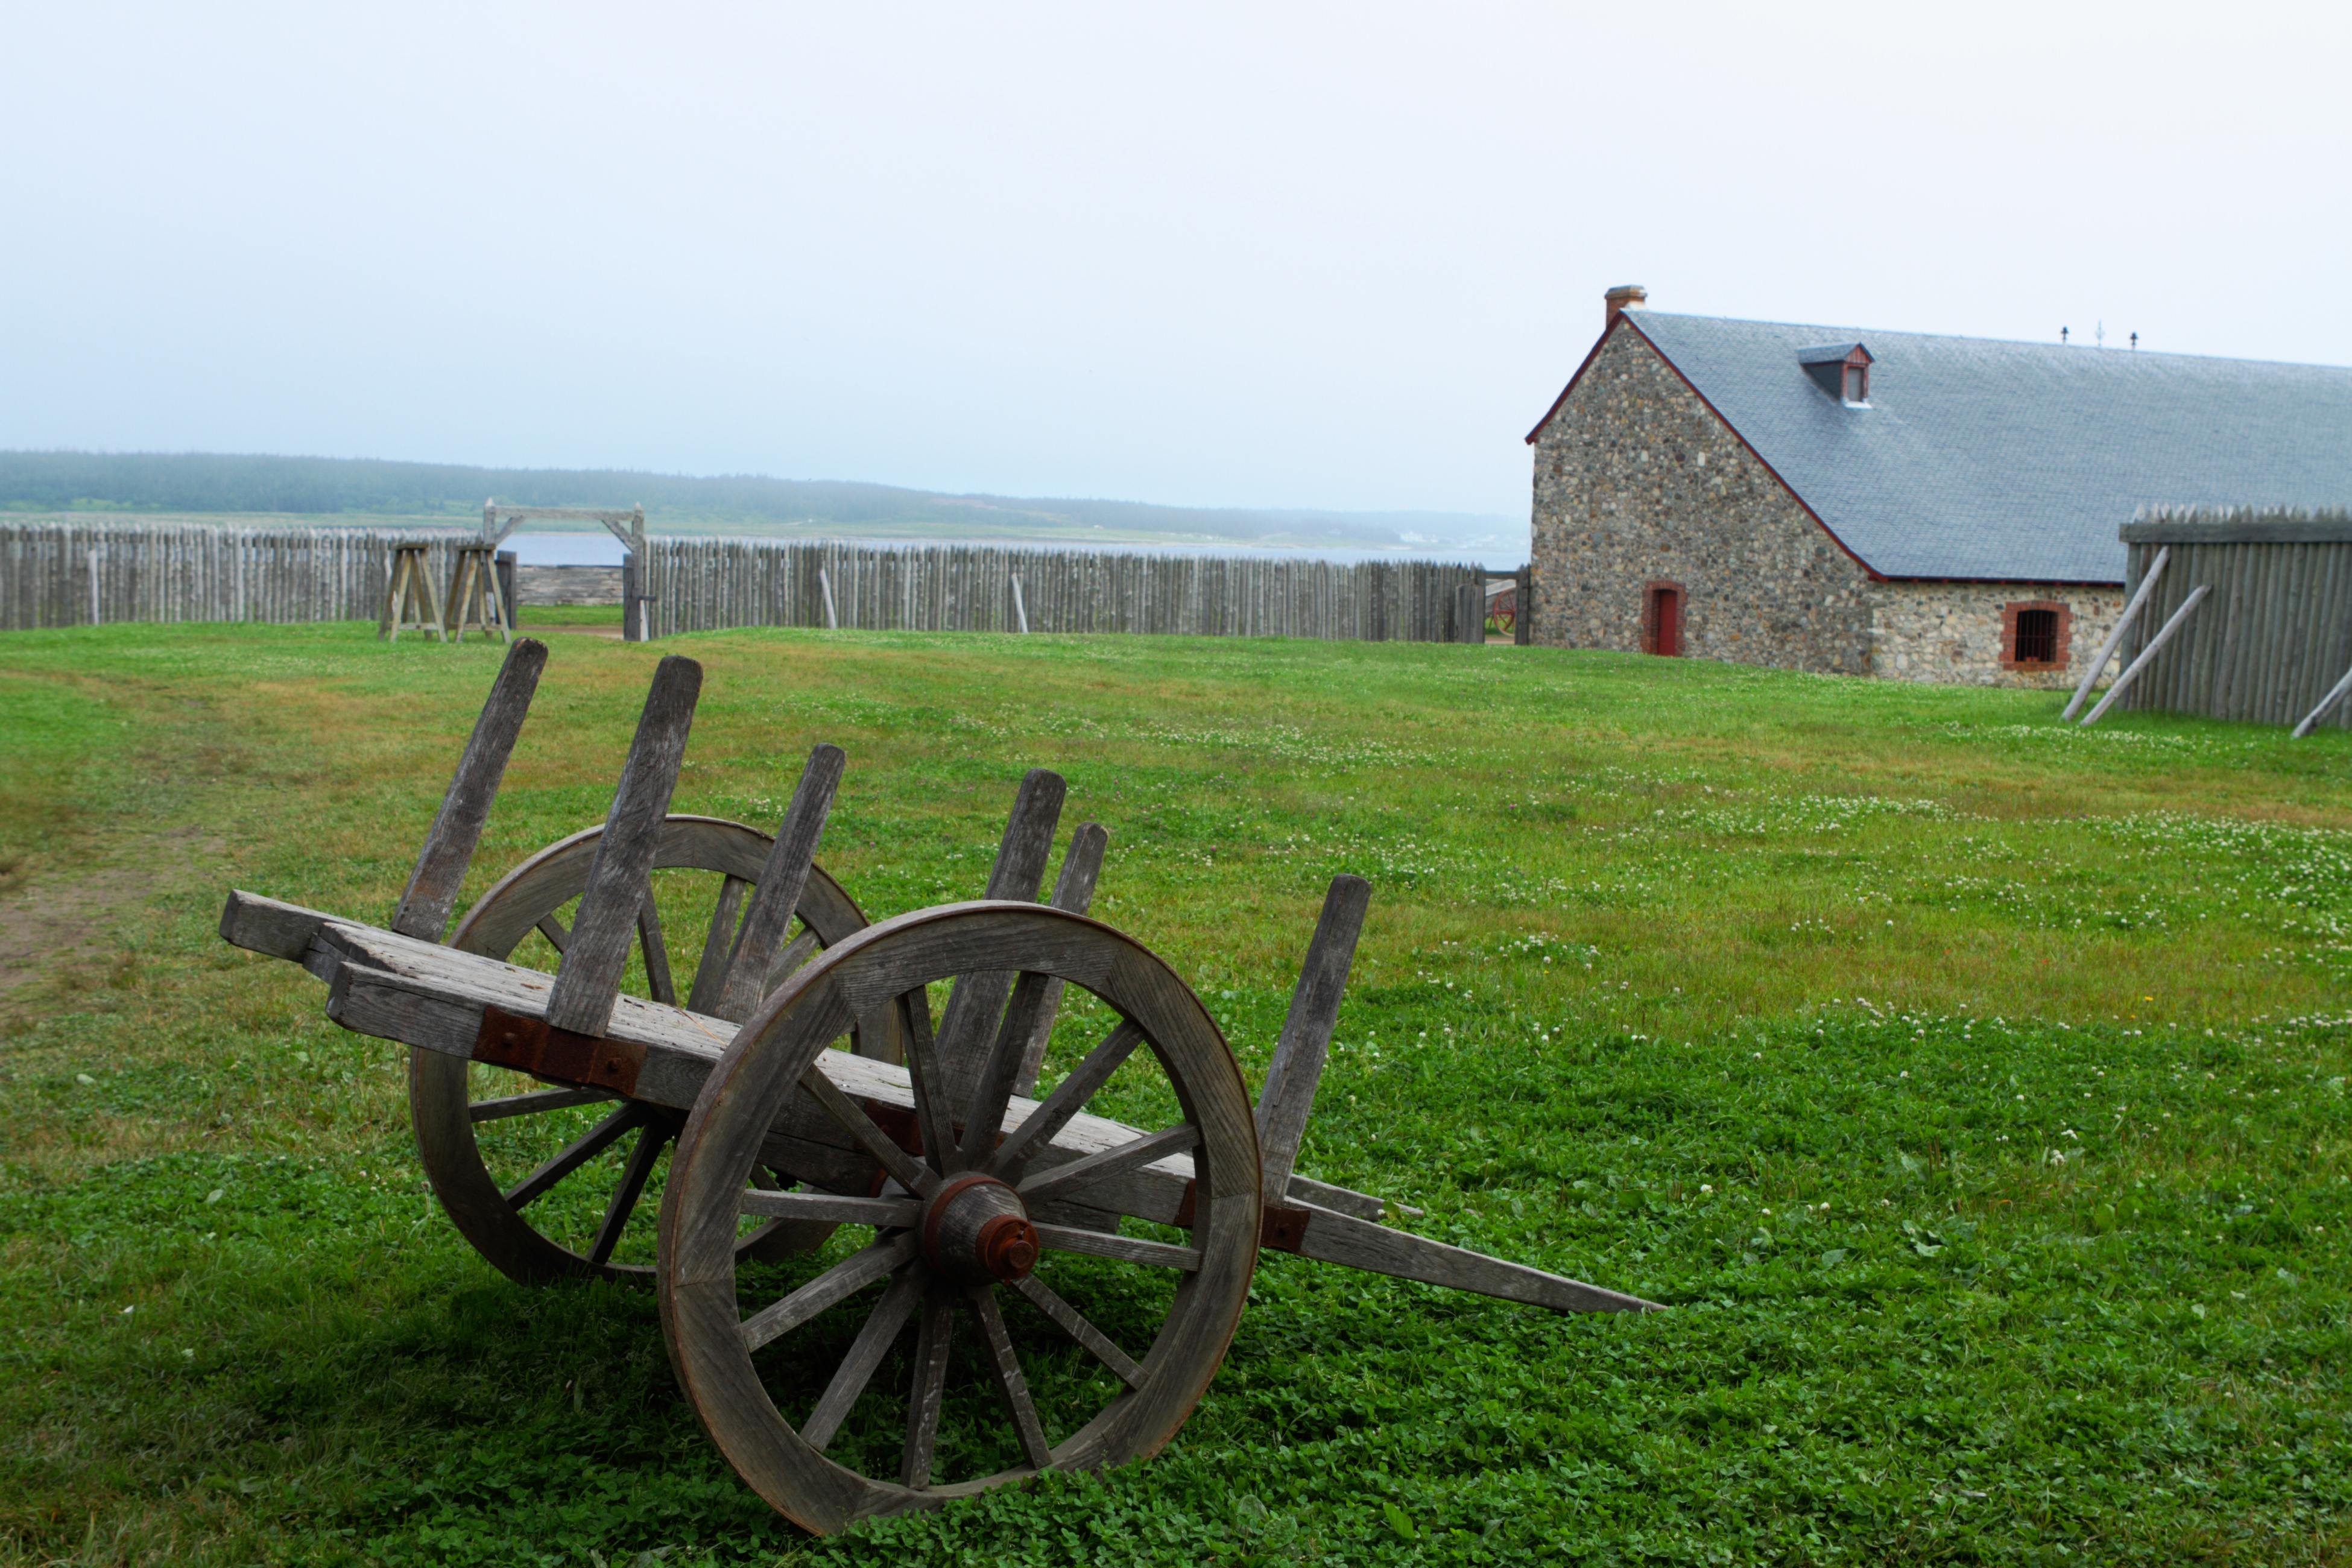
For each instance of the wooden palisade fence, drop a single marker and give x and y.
(2274, 632)
(197, 571)
(698, 584)
(70, 573)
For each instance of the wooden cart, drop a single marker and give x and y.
(802, 1084)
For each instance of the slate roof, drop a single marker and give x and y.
(2006, 461)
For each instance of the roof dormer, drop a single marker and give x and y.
(1841, 370)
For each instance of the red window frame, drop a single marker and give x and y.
(2062, 634)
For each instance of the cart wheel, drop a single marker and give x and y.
(575, 1163)
(789, 1392)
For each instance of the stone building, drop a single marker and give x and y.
(1890, 503)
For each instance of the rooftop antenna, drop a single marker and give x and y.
(2062, 334)
(2099, 335)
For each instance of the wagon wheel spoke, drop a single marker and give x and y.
(718, 946)
(1069, 1097)
(904, 1168)
(650, 937)
(478, 1142)
(932, 1114)
(1110, 1163)
(1004, 1366)
(838, 1283)
(966, 1026)
(1125, 1248)
(796, 952)
(929, 1386)
(1074, 890)
(856, 1369)
(1098, 1345)
(651, 1141)
(535, 1103)
(578, 1153)
(883, 1214)
(1033, 994)
(981, 1228)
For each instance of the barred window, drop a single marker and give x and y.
(2037, 636)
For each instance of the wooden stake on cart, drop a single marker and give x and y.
(432, 892)
(588, 981)
(1074, 890)
(978, 1001)
(1288, 1093)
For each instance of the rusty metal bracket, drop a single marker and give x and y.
(1283, 1227)
(1280, 1226)
(529, 1044)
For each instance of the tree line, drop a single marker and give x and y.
(326, 487)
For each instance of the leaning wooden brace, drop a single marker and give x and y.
(924, 1139)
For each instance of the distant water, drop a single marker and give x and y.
(566, 548)
(604, 550)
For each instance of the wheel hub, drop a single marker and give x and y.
(976, 1231)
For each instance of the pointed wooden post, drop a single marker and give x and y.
(432, 892)
(1297, 1066)
(635, 613)
(969, 1022)
(1010, 1067)
(618, 879)
(1074, 890)
(780, 885)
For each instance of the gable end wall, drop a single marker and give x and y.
(1637, 482)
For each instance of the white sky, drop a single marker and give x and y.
(1270, 255)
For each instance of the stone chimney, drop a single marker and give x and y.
(1619, 298)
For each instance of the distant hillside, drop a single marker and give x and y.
(326, 487)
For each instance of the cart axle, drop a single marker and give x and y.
(976, 1231)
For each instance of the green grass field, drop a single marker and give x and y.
(1972, 1088)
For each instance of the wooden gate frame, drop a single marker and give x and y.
(636, 621)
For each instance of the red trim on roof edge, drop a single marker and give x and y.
(2021, 581)
(1625, 318)
(1595, 353)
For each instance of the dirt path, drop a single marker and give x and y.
(60, 922)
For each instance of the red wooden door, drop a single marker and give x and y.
(1669, 623)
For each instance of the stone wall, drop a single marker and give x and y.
(1955, 631)
(1638, 483)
